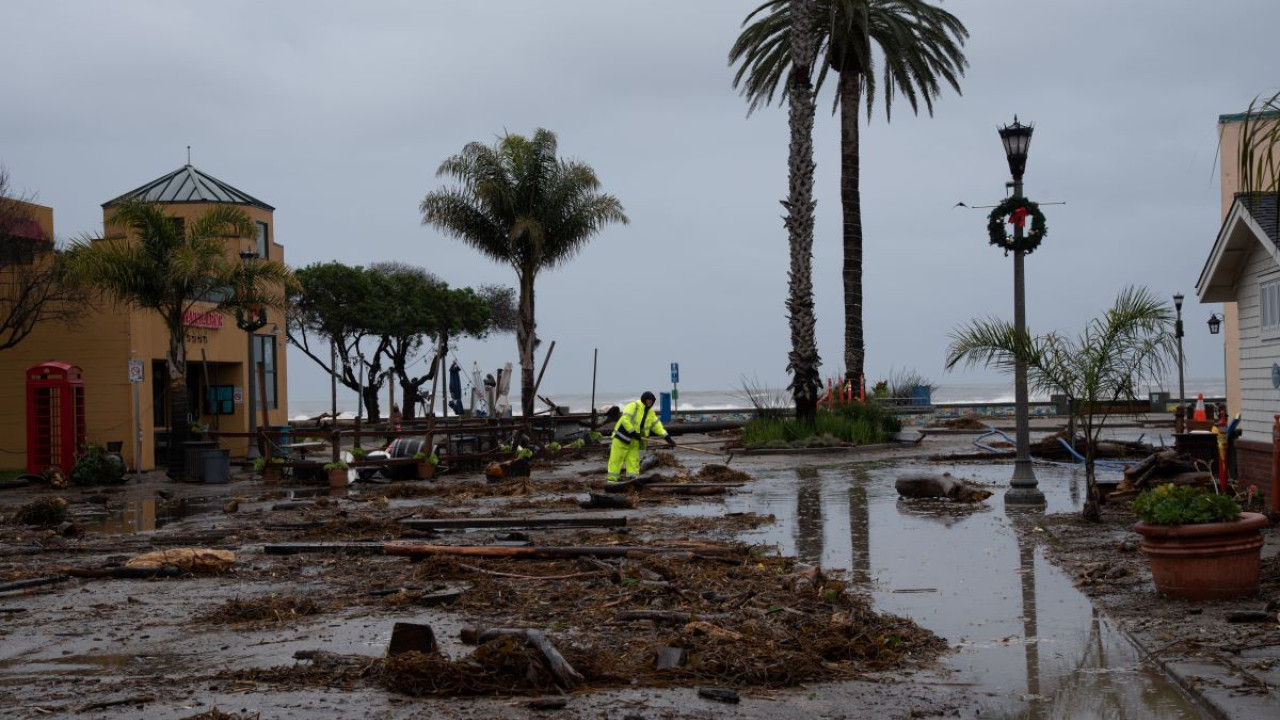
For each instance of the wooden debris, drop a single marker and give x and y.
(941, 486)
(411, 637)
(548, 703)
(670, 657)
(515, 468)
(666, 616)
(197, 561)
(719, 694)
(32, 582)
(131, 700)
(538, 640)
(516, 522)
(330, 548)
(537, 552)
(608, 502)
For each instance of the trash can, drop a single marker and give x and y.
(193, 456)
(664, 407)
(216, 466)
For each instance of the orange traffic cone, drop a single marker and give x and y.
(1199, 415)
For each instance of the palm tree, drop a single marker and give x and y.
(1131, 345)
(519, 204)
(1259, 139)
(919, 49)
(803, 361)
(168, 267)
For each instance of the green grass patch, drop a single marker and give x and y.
(855, 424)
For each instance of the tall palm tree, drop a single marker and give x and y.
(803, 361)
(170, 268)
(919, 49)
(1131, 345)
(519, 204)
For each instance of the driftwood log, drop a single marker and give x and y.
(1166, 466)
(607, 502)
(536, 639)
(515, 468)
(941, 486)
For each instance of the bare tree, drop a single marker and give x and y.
(30, 290)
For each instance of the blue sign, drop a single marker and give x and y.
(675, 373)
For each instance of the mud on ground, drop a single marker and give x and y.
(305, 635)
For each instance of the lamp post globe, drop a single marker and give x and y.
(1023, 489)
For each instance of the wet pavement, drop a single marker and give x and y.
(1028, 643)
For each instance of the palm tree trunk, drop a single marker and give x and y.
(850, 88)
(526, 335)
(803, 360)
(179, 429)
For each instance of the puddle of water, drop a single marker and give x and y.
(1028, 641)
(145, 515)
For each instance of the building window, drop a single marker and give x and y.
(264, 356)
(262, 241)
(179, 226)
(1269, 308)
(219, 400)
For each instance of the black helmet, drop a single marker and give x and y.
(648, 397)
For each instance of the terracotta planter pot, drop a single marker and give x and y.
(426, 471)
(338, 478)
(1210, 561)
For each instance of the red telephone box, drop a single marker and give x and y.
(55, 416)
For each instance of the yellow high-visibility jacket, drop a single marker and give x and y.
(637, 423)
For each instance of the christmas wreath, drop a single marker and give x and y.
(1017, 209)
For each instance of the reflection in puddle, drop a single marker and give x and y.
(1029, 642)
(146, 515)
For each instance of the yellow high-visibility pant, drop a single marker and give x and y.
(621, 453)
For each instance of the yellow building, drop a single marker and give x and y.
(121, 350)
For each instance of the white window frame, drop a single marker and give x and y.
(1269, 309)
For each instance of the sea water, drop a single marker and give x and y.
(722, 399)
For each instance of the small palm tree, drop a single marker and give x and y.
(517, 203)
(1128, 347)
(170, 268)
(919, 47)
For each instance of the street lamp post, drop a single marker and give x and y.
(1177, 333)
(1022, 488)
(250, 322)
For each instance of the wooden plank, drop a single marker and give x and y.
(348, 548)
(514, 522)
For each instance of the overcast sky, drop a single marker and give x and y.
(339, 113)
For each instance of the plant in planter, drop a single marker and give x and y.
(553, 447)
(270, 468)
(595, 437)
(426, 465)
(1200, 545)
(338, 473)
(96, 466)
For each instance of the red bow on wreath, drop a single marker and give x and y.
(1018, 216)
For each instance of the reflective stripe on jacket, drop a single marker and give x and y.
(637, 423)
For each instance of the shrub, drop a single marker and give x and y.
(339, 465)
(423, 457)
(1184, 505)
(851, 424)
(96, 466)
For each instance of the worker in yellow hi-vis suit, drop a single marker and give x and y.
(638, 421)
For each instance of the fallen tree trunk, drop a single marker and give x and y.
(536, 639)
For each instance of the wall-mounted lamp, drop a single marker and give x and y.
(1215, 324)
